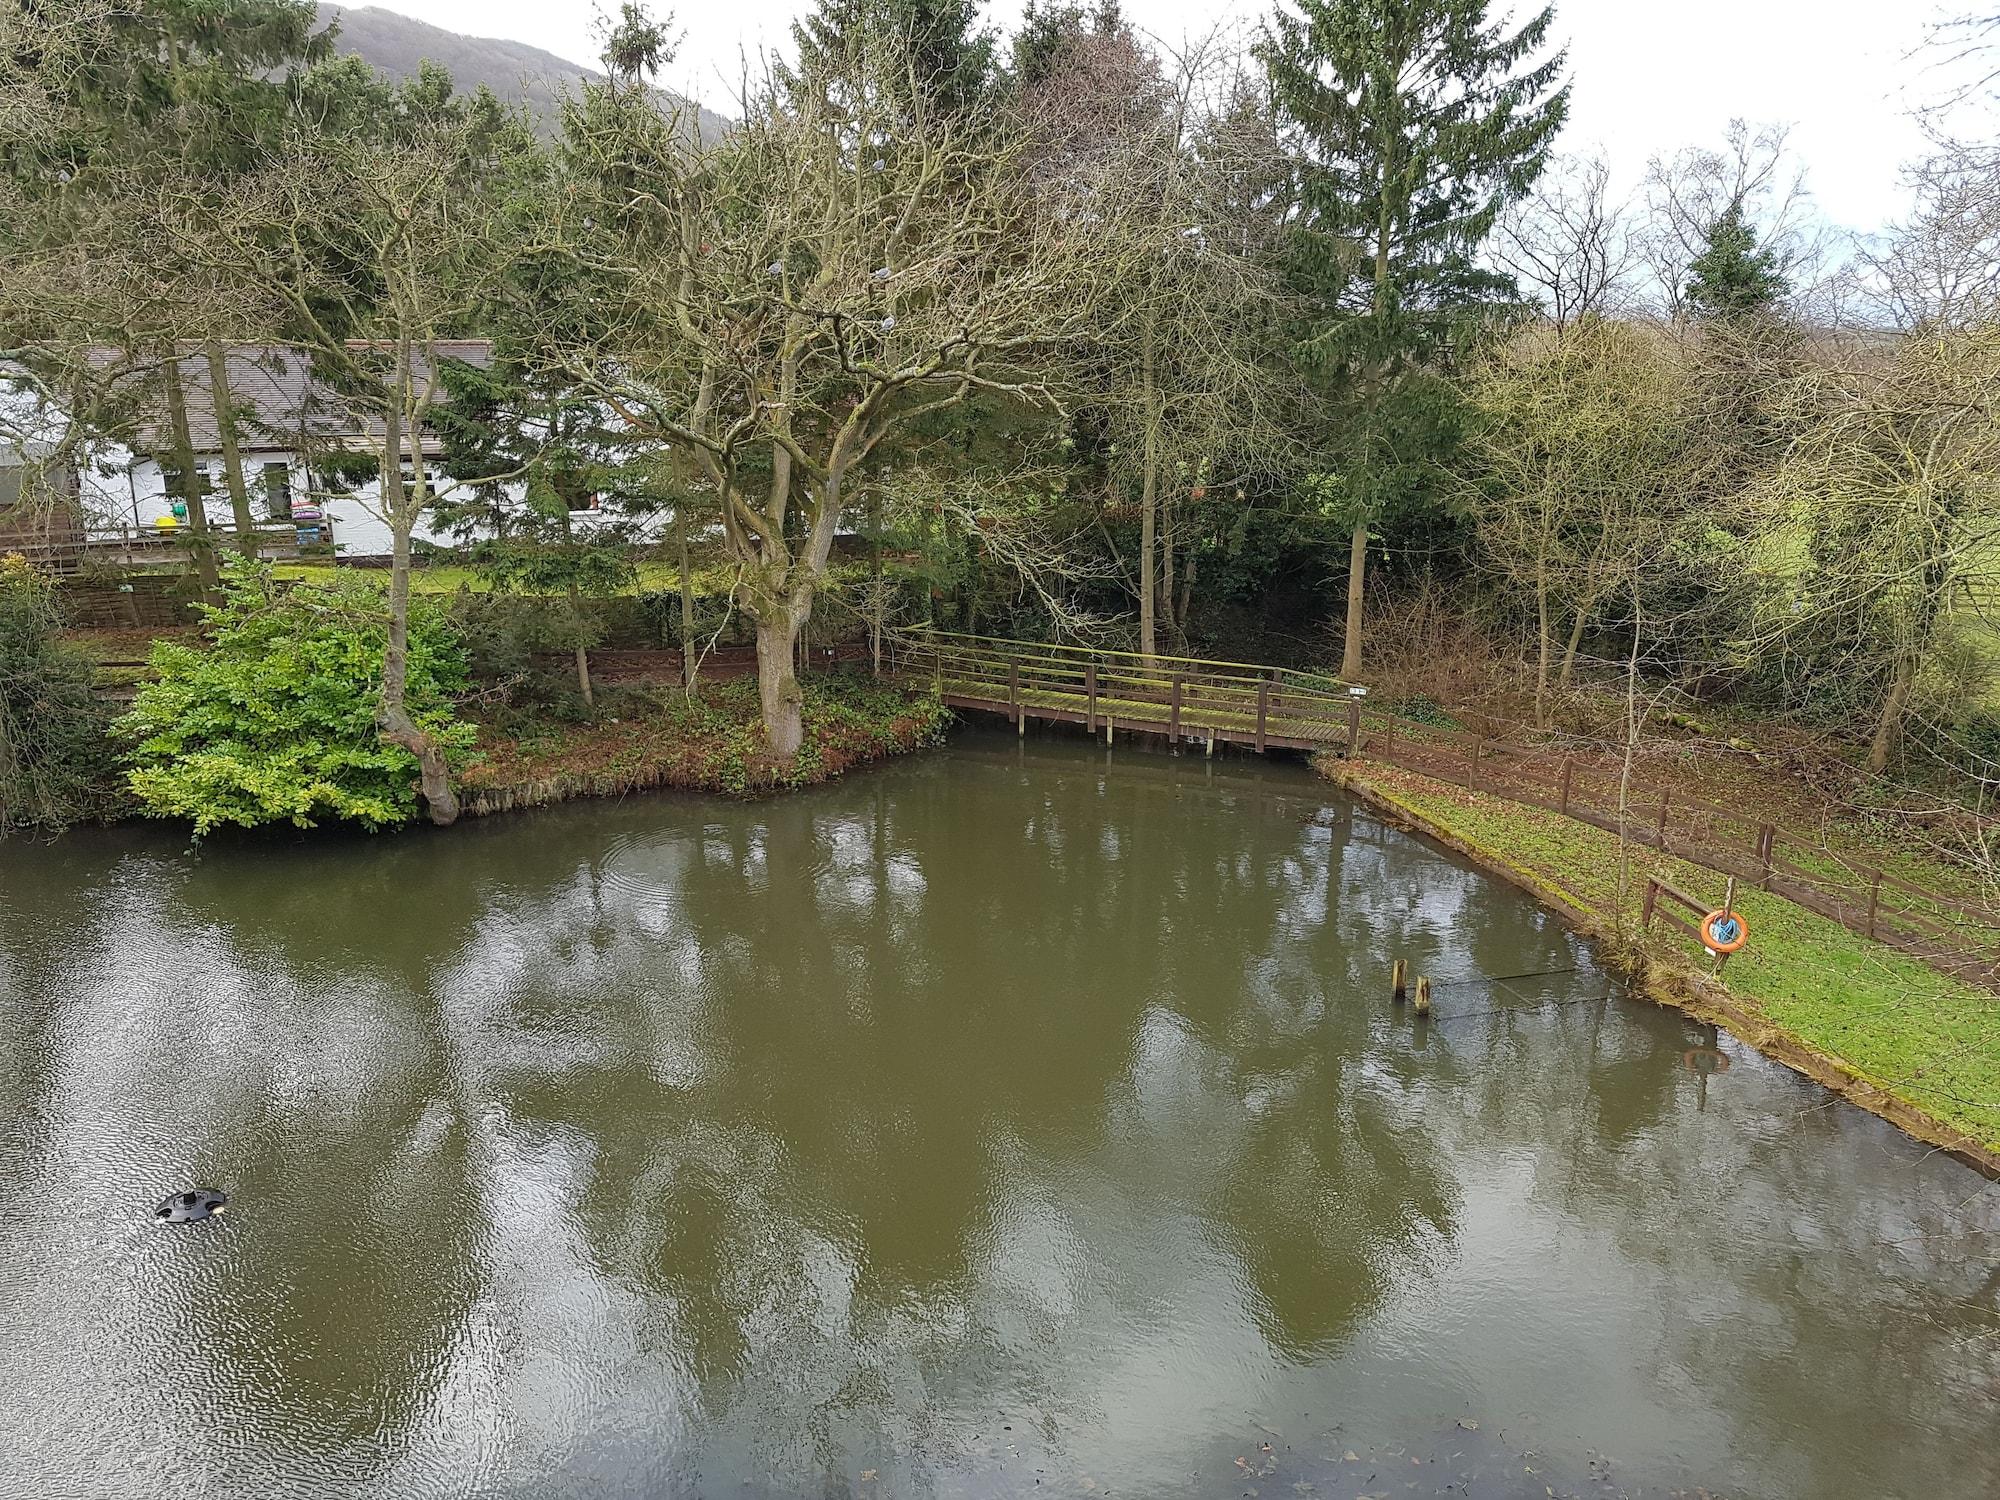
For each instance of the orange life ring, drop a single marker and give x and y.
(1724, 931)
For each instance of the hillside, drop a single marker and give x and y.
(517, 73)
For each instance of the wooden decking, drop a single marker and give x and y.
(1180, 698)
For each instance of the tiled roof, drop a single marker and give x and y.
(278, 401)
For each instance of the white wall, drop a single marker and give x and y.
(123, 490)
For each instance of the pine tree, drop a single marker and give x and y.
(951, 61)
(1734, 277)
(1413, 123)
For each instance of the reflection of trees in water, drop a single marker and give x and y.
(180, 1049)
(883, 1105)
(1804, 1282)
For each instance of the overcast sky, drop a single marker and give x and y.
(1648, 78)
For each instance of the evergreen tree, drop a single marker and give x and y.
(1734, 277)
(1413, 122)
(951, 61)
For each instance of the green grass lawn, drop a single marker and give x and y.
(450, 578)
(1929, 1039)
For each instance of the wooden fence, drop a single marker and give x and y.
(1959, 936)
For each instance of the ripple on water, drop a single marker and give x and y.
(651, 869)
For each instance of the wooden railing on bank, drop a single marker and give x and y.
(1958, 936)
(1187, 699)
(1183, 698)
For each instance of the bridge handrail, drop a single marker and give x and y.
(1158, 662)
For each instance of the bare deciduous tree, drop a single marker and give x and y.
(782, 306)
(1569, 245)
(1687, 193)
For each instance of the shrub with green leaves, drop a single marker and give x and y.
(275, 721)
(55, 758)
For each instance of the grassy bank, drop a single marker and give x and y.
(1891, 1032)
(656, 737)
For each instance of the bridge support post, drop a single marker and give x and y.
(1353, 726)
(1174, 714)
(1090, 687)
(1014, 689)
(1263, 710)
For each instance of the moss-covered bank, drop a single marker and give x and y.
(641, 738)
(1887, 1031)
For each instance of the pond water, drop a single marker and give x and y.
(1017, 1120)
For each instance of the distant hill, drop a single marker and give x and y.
(519, 74)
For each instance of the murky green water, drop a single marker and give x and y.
(1009, 1122)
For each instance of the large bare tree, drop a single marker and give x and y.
(781, 307)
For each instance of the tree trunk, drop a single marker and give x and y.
(1149, 499)
(392, 718)
(1889, 729)
(1543, 647)
(183, 451)
(577, 623)
(689, 661)
(1357, 567)
(778, 691)
(232, 456)
(1575, 641)
(878, 604)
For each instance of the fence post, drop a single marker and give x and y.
(1263, 709)
(1874, 899)
(1174, 714)
(1090, 686)
(1646, 911)
(1568, 767)
(1353, 725)
(1660, 833)
(1472, 767)
(1014, 689)
(1767, 836)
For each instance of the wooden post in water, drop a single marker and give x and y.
(1263, 710)
(1090, 687)
(1398, 981)
(1424, 995)
(1569, 767)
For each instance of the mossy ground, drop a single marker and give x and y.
(1923, 1037)
(660, 737)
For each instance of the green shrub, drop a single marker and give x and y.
(55, 759)
(275, 722)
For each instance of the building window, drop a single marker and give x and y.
(278, 491)
(177, 487)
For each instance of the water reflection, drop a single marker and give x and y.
(997, 1117)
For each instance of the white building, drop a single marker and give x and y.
(289, 428)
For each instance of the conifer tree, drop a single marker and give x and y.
(1734, 277)
(951, 61)
(1414, 122)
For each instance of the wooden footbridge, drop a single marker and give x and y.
(1183, 699)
